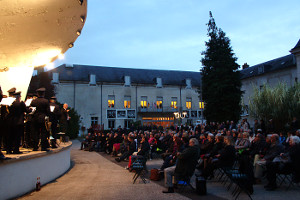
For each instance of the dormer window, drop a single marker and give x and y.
(158, 83)
(127, 81)
(92, 79)
(261, 69)
(188, 83)
(55, 78)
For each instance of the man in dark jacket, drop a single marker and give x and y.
(42, 109)
(54, 117)
(16, 123)
(186, 164)
(132, 148)
(2, 157)
(64, 118)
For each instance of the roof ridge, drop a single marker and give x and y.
(128, 68)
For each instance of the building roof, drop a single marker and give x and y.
(269, 66)
(116, 75)
(297, 46)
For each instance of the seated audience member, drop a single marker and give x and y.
(274, 150)
(281, 138)
(225, 158)
(124, 145)
(207, 147)
(153, 144)
(244, 143)
(238, 139)
(143, 150)
(131, 148)
(93, 141)
(288, 161)
(144, 147)
(202, 139)
(85, 143)
(257, 146)
(170, 159)
(117, 140)
(186, 163)
(218, 146)
(286, 143)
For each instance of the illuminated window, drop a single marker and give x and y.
(201, 104)
(174, 102)
(159, 102)
(127, 101)
(111, 101)
(188, 103)
(144, 102)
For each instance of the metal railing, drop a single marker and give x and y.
(155, 109)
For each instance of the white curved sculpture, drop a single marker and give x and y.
(34, 33)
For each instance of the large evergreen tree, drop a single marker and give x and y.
(221, 84)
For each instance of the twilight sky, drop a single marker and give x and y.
(171, 34)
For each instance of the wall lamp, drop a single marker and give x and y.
(80, 2)
(82, 18)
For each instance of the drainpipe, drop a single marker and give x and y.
(101, 106)
(136, 102)
(74, 94)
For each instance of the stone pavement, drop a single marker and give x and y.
(98, 176)
(95, 177)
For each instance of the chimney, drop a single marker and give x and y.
(245, 66)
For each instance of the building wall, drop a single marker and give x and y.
(92, 101)
(287, 75)
(273, 78)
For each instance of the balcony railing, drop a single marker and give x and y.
(155, 109)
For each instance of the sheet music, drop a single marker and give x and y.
(7, 101)
(28, 102)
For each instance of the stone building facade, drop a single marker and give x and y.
(284, 69)
(115, 97)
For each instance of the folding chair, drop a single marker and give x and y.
(138, 167)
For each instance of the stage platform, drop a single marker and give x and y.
(18, 175)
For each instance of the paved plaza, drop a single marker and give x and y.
(97, 176)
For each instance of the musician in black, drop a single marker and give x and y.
(2, 119)
(39, 124)
(16, 124)
(54, 117)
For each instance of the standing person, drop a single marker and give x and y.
(7, 140)
(16, 123)
(64, 118)
(28, 119)
(2, 157)
(55, 114)
(256, 126)
(39, 128)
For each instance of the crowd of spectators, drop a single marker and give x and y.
(260, 152)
